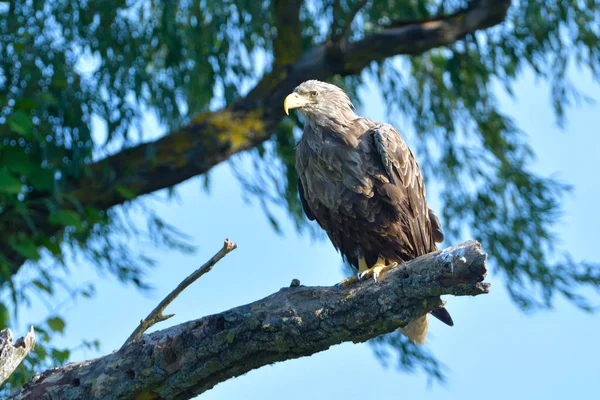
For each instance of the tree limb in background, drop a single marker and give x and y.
(11, 355)
(157, 315)
(287, 46)
(213, 137)
(344, 29)
(188, 359)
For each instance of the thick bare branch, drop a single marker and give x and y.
(185, 360)
(11, 355)
(287, 46)
(420, 36)
(157, 315)
(213, 137)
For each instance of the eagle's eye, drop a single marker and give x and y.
(314, 93)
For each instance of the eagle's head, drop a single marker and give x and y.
(319, 100)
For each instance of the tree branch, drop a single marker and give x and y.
(420, 36)
(344, 29)
(213, 137)
(12, 355)
(287, 46)
(336, 11)
(157, 315)
(188, 359)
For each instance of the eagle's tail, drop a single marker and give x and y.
(443, 315)
(416, 330)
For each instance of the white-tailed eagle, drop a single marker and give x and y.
(360, 181)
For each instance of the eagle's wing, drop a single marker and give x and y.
(406, 191)
(305, 206)
(436, 226)
(419, 223)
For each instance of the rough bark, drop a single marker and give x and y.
(188, 359)
(213, 137)
(11, 355)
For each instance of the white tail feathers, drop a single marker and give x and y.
(416, 330)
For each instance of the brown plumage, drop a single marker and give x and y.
(360, 181)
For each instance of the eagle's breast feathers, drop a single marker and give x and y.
(364, 187)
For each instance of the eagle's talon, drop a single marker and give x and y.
(377, 270)
(361, 275)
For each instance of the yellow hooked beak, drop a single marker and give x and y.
(293, 100)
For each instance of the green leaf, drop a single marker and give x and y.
(25, 247)
(47, 98)
(41, 334)
(21, 123)
(42, 286)
(61, 356)
(15, 159)
(125, 192)
(41, 351)
(86, 292)
(56, 324)
(66, 218)
(274, 223)
(42, 180)
(95, 344)
(52, 246)
(94, 216)
(26, 104)
(4, 316)
(8, 183)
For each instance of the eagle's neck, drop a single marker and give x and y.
(333, 130)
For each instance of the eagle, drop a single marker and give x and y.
(360, 181)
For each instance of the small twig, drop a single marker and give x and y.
(157, 314)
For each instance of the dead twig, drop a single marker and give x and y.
(157, 314)
(11, 355)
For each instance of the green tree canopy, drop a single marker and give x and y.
(215, 74)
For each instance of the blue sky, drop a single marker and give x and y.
(494, 349)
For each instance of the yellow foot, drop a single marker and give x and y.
(347, 282)
(376, 270)
(363, 271)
